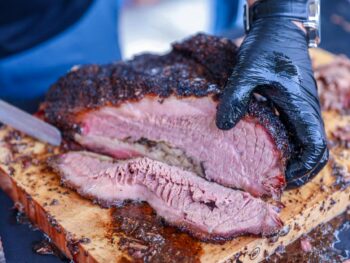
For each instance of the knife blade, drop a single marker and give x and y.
(2, 255)
(29, 124)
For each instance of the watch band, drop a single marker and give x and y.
(293, 9)
(305, 11)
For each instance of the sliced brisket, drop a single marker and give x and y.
(163, 107)
(333, 81)
(246, 157)
(206, 210)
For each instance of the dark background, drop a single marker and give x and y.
(18, 239)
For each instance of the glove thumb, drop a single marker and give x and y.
(233, 104)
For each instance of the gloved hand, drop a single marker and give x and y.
(273, 61)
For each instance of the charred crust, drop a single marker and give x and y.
(199, 66)
(218, 55)
(192, 68)
(264, 113)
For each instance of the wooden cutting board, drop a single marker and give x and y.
(84, 231)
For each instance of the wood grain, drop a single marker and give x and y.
(84, 231)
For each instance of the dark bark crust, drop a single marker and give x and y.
(199, 66)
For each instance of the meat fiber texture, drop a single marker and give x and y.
(333, 81)
(207, 210)
(159, 111)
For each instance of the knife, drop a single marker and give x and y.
(2, 255)
(29, 124)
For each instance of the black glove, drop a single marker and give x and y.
(273, 61)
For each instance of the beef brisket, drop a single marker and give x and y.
(333, 81)
(163, 107)
(206, 210)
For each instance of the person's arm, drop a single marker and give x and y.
(273, 61)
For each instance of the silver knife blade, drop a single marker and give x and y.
(29, 124)
(2, 255)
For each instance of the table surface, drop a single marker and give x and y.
(18, 239)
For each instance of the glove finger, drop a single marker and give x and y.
(233, 103)
(302, 116)
(310, 135)
(297, 166)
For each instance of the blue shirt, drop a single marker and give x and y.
(25, 76)
(33, 59)
(23, 23)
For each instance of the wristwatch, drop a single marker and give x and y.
(305, 11)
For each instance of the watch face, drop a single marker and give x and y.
(313, 37)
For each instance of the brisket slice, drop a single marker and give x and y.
(333, 81)
(206, 210)
(163, 107)
(246, 157)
